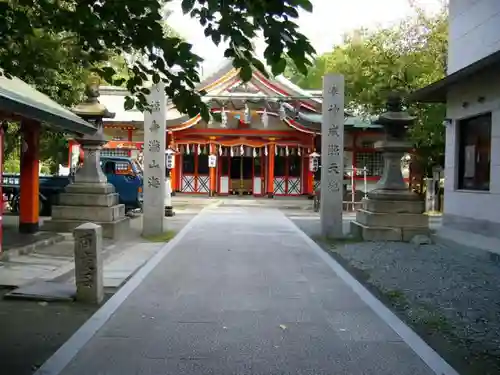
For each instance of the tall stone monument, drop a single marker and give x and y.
(90, 198)
(332, 156)
(392, 212)
(155, 121)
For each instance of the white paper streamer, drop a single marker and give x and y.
(223, 116)
(265, 118)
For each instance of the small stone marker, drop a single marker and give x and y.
(88, 263)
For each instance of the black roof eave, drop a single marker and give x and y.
(437, 92)
(47, 115)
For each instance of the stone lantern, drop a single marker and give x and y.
(94, 112)
(395, 122)
(90, 198)
(392, 212)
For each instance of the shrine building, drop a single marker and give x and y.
(262, 133)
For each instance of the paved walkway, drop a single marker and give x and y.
(243, 291)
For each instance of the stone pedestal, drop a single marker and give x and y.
(391, 212)
(88, 263)
(90, 198)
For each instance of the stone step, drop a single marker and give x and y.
(384, 206)
(373, 233)
(90, 188)
(114, 229)
(396, 220)
(89, 213)
(85, 199)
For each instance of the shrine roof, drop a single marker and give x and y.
(313, 120)
(17, 97)
(225, 89)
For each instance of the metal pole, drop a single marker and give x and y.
(353, 201)
(241, 174)
(1, 180)
(364, 181)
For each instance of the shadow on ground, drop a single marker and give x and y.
(32, 331)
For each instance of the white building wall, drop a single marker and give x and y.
(474, 31)
(478, 206)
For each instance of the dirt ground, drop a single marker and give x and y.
(25, 344)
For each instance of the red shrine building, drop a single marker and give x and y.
(262, 132)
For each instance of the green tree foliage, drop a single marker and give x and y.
(54, 44)
(53, 64)
(402, 58)
(121, 27)
(121, 63)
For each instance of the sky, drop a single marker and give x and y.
(325, 26)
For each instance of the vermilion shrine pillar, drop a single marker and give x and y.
(310, 172)
(270, 170)
(29, 199)
(173, 171)
(309, 178)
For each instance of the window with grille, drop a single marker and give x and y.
(257, 167)
(122, 166)
(203, 168)
(280, 166)
(474, 153)
(114, 152)
(294, 165)
(373, 161)
(188, 164)
(223, 165)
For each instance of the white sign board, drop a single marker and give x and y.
(154, 162)
(313, 164)
(170, 161)
(212, 161)
(332, 156)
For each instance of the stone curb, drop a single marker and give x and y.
(27, 249)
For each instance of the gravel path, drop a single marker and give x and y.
(450, 294)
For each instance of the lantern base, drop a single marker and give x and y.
(393, 195)
(390, 219)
